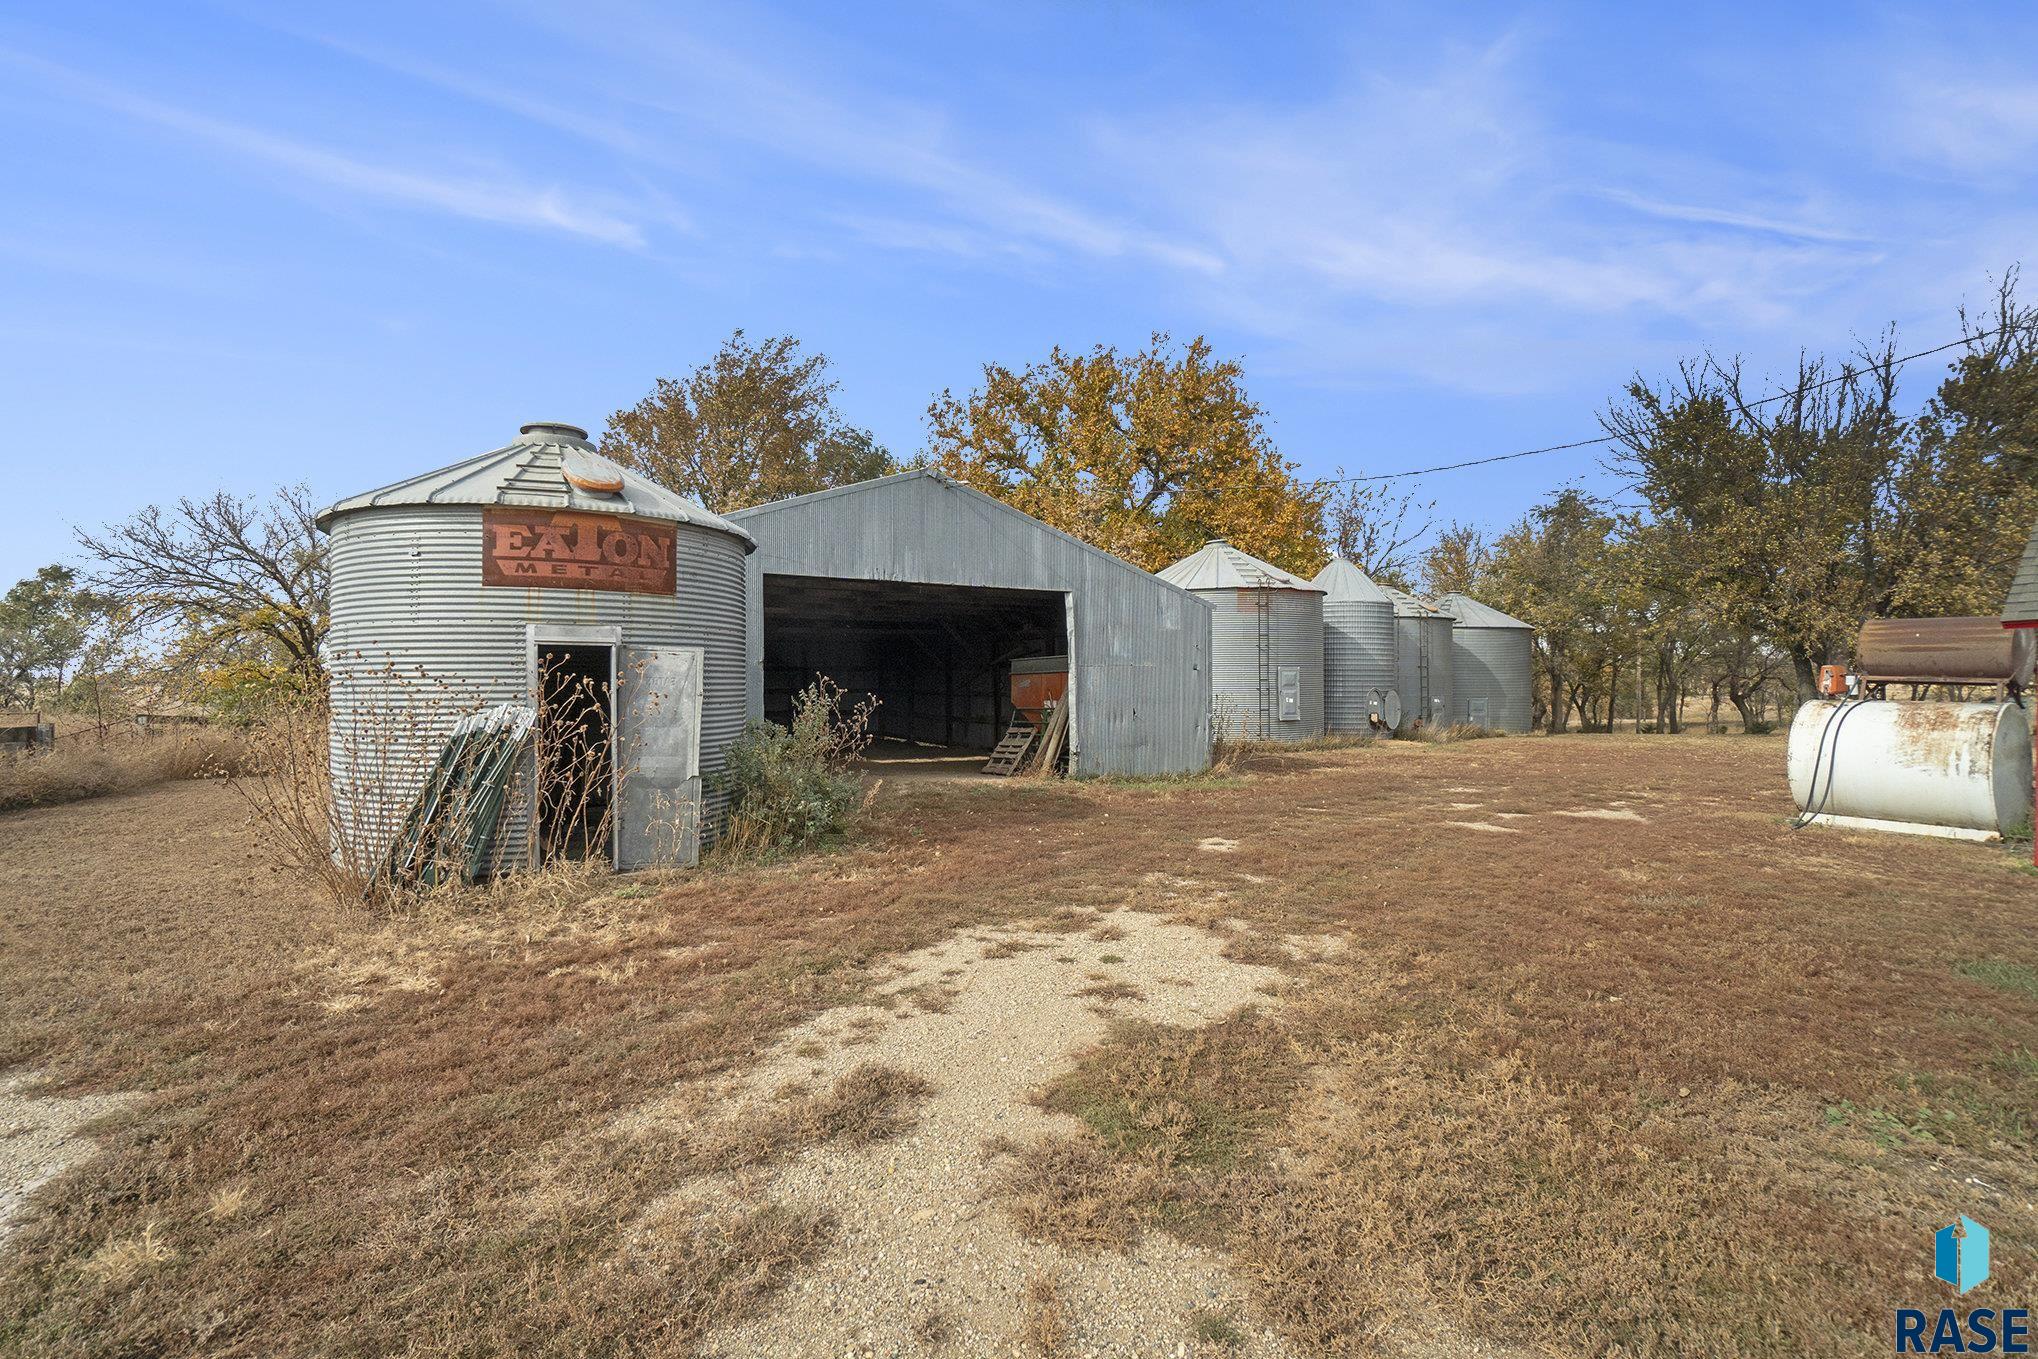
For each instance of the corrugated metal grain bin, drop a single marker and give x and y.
(1266, 643)
(503, 578)
(1493, 677)
(1358, 645)
(1422, 661)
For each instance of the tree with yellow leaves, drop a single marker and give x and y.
(756, 422)
(1147, 455)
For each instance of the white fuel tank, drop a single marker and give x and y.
(1937, 768)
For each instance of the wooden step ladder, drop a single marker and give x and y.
(1012, 749)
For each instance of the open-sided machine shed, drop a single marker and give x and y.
(922, 592)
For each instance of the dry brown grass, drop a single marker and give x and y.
(1694, 1084)
(712, 1263)
(868, 1104)
(1105, 990)
(1046, 1328)
(86, 764)
(1073, 1193)
(117, 1263)
(1698, 1085)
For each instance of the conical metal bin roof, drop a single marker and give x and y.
(1217, 565)
(1470, 613)
(547, 466)
(1344, 583)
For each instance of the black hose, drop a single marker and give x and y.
(1832, 728)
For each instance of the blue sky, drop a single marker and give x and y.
(254, 245)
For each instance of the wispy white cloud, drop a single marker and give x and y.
(1728, 217)
(1974, 124)
(1440, 195)
(479, 198)
(961, 202)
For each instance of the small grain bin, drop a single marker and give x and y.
(1422, 660)
(1358, 646)
(538, 574)
(1266, 643)
(1493, 666)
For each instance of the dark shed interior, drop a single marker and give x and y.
(937, 657)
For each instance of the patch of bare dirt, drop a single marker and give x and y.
(40, 1138)
(918, 1236)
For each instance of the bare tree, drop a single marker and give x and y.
(230, 571)
(1369, 525)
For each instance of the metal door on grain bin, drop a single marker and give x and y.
(658, 705)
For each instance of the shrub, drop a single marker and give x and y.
(792, 787)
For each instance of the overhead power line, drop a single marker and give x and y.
(1615, 438)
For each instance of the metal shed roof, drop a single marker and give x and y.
(1470, 613)
(1344, 583)
(547, 466)
(2022, 604)
(1217, 565)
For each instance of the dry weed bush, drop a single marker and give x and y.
(794, 787)
(339, 816)
(1454, 733)
(86, 763)
(1231, 755)
(324, 812)
(117, 1263)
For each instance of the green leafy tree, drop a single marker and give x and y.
(1556, 570)
(754, 423)
(46, 621)
(1147, 455)
(1964, 501)
(1455, 562)
(1782, 503)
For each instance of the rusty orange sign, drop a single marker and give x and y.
(541, 549)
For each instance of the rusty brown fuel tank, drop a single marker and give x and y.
(1943, 651)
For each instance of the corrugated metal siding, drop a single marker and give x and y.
(1295, 634)
(1358, 657)
(1436, 639)
(923, 528)
(1422, 668)
(1494, 664)
(417, 640)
